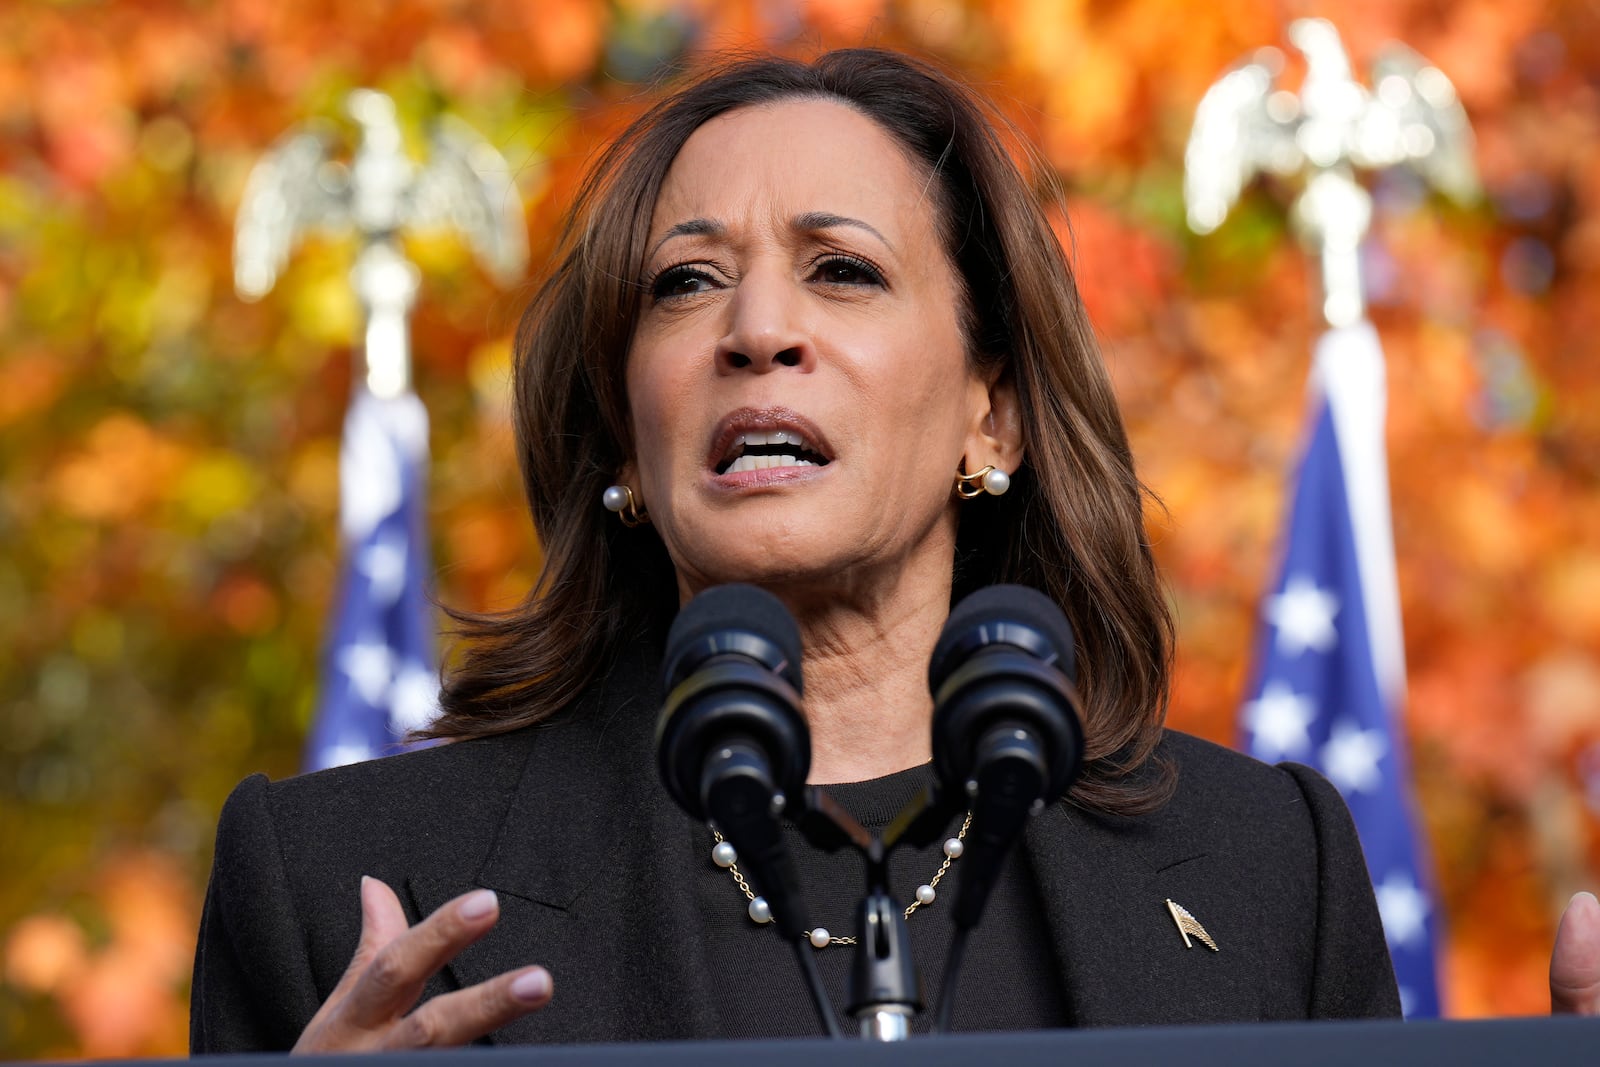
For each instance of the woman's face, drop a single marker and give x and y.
(798, 378)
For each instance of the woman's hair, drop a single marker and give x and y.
(1071, 525)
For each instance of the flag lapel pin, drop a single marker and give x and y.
(1189, 926)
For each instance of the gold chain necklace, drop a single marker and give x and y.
(723, 855)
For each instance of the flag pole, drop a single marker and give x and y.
(379, 678)
(1330, 664)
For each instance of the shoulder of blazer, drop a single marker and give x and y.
(1249, 850)
(1296, 816)
(433, 807)
(431, 823)
(1230, 792)
(1223, 799)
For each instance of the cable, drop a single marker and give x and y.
(806, 955)
(947, 985)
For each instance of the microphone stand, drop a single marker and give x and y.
(885, 992)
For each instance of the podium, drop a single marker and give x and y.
(1549, 1042)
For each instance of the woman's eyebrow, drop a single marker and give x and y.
(812, 221)
(690, 228)
(806, 222)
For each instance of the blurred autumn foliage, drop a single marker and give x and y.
(168, 454)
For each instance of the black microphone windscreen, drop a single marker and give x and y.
(732, 609)
(981, 620)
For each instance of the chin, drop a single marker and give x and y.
(766, 570)
(765, 557)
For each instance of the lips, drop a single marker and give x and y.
(755, 440)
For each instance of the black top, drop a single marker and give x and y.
(1008, 980)
(598, 873)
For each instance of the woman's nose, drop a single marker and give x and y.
(765, 329)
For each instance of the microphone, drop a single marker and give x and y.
(1006, 734)
(1006, 731)
(731, 745)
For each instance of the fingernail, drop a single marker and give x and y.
(535, 985)
(479, 904)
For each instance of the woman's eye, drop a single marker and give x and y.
(680, 281)
(847, 270)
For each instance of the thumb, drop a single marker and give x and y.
(1575, 960)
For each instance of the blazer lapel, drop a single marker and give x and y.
(591, 862)
(1105, 883)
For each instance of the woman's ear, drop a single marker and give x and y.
(996, 436)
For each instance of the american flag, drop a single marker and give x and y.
(378, 675)
(1330, 664)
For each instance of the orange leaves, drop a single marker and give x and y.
(1120, 268)
(30, 382)
(492, 561)
(563, 38)
(45, 953)
(1568, 588)
(1476, 47)
(1086, 106)
(246, 603)
(845, 22)
(119, 996)
(125, 468)
(122, 469)
(458, 59)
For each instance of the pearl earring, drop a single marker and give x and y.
(991, 480)
(619, 499)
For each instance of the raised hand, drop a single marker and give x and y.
(1575, 960)
(371, 1007)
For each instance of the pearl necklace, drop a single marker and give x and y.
(723, 855)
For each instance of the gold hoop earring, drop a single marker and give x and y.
(991, 480)
(619, 499)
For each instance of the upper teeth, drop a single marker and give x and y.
(776, 437)
(747, 462)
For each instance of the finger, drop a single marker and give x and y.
(1575, 960)
(382, 917)
(459, 1017)
(382, 920)
(391, 983)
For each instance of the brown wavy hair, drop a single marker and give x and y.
(1072, 524)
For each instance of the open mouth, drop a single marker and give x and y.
(755, 450)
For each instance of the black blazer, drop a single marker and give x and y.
(568, 823)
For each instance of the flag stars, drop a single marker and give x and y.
(414, 700)
(379, 685)
(1280, 722)
(1303, 615)
(371, 485)
(1350, 758)
(384, 563)
(346, 752)
(1404, 908)
(369, 664)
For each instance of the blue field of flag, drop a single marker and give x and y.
(379, 678)
(1318, 697)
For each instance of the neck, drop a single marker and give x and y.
(867, 633)
(866, 675)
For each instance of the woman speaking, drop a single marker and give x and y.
(808, 330)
